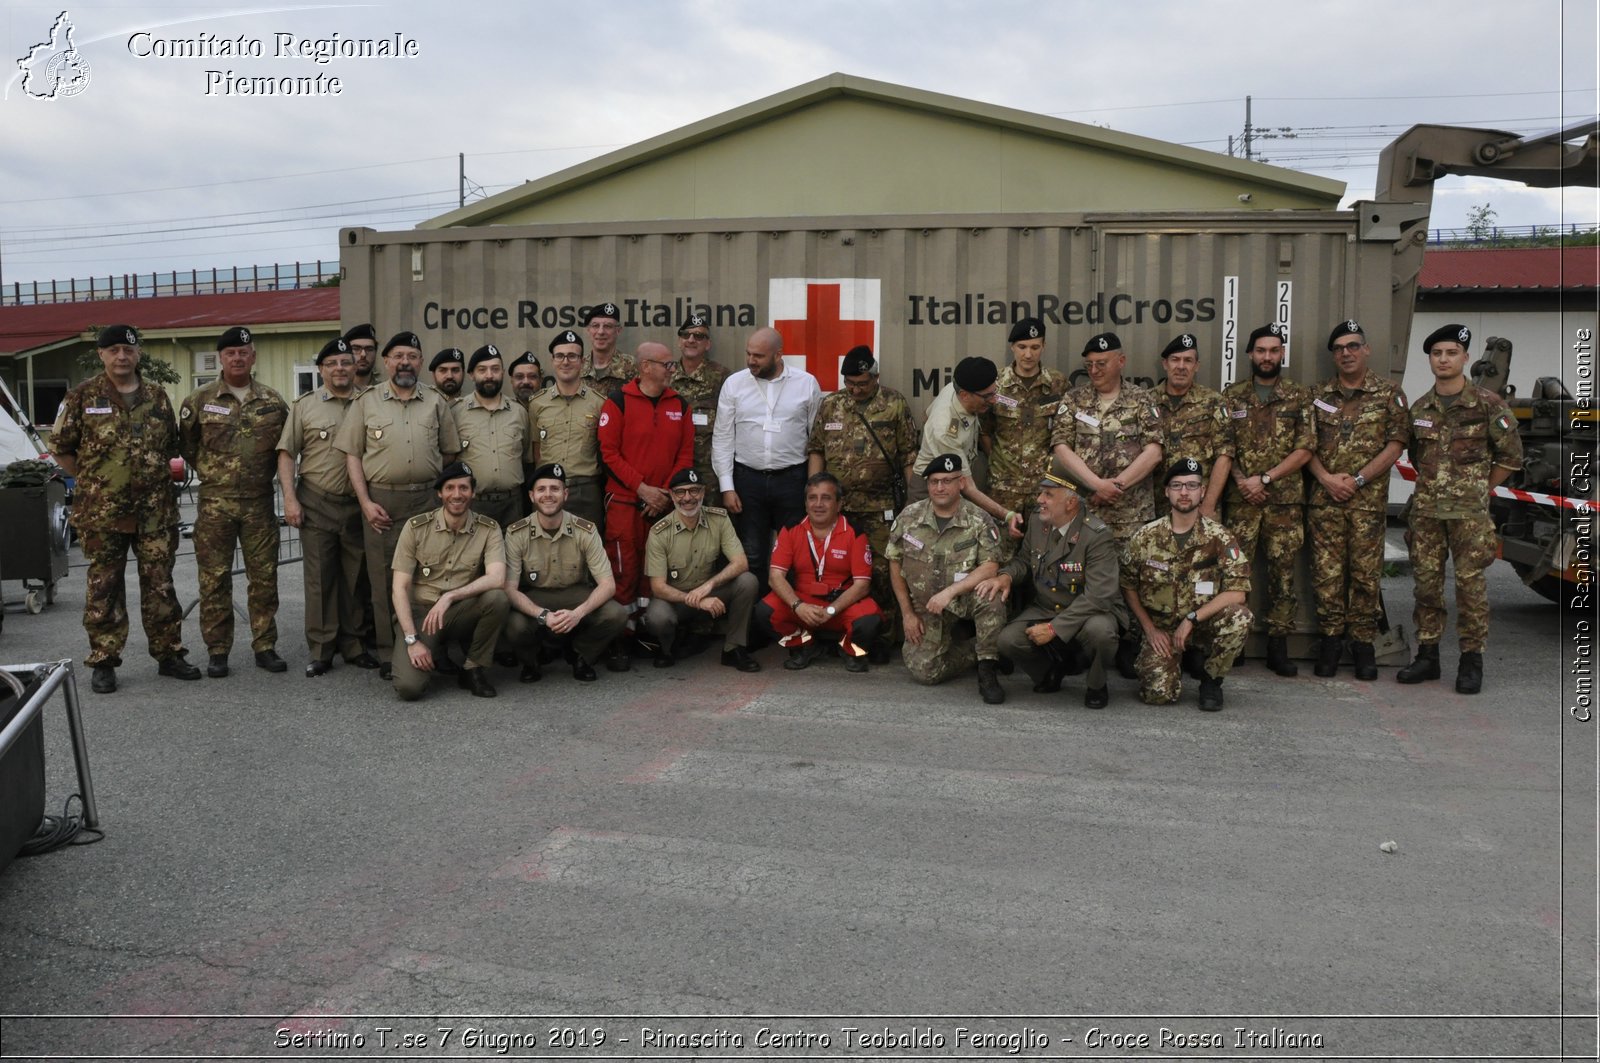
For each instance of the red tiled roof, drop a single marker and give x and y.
(22, 328)
(1515, 269)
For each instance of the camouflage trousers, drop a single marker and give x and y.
(1281, 530)
(218, 524)
(941, 654)
(1220, 639)
(1346, 566)
(1470, 544)
(877, 532)
(105, 605)
(1024, 499)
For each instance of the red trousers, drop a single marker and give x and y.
(624, 539)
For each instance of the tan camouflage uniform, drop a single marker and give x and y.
(931, 560)
(124, 498)
(562, 429)
(233, 447)
(439, 560)
(1347, 537)
(1018, 426)
(1195, 427)
(617, 372)
(1172, 580)
(559, 570)
(1264, 433)
(1454, 449)
(1108, 442)
(700, 390)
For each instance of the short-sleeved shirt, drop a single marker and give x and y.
(314, 420)
(1174, 579)
(570, 556)
(1194, 426)
(850, 454)
(1267, 431)
(562, 428)
(932, 559)
(440, 559)
(1454, 449)
(399, 441)
(494, 442)
(233, 444)
(1351, 430)
(1108, 440)
(1019, 424)
(617, 372)
(123, 446)
(845, 555)
(949, 429)
(686, 557)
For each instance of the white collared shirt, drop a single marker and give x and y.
(763, 423)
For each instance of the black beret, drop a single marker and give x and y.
(1106, 341)
(564, 337)
(361, 332)
(525, 358)
(1057, 476)
(445, 357)
(685, 478)
(694, 321)
(858, 360)
(454, 471)
(1448, 333)
(943, 463)
(332, 347)
(1182, 467)
(975, 374)
(402, 339)
(1029, 328)
(238, 336)
(487, 353)
(550, 470)
(112, 335)
(1275, 330)
(1184, 341)
(1346, 328)
(602, 310)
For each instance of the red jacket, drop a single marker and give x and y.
(644, 440)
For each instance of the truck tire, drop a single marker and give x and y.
(1548, 587)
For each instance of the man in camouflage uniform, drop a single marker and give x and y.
(681, 559)
(494, 438)
(448, 587)
(1463, 443)
(1361, 424)
(941, 549)
(447, 375)
(320, 503)
(699, 380)
(1066, 570)
(606, 368)
(228, 431)
(1016, 428)
(1272, 440)
(1186, 581)
(1194, 422)
(842, 442)
(559, 581)
(116, 433)
(563, 421)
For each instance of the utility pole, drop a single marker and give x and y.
(1247, 152)
(461, 177)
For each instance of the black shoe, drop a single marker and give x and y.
(1210, 695)
(363, 660)
(1127, 653)
(989, 683)
(620, 660)
(217, 668)
(1193, 663)
(740, 658)
(1426, 665)
(178, 667)
(1469, 673)
(477, 681)
(1006, 666)
(1278, 657)
(443, 665)
(271, 662)
(1096, 698)
(531, 673)
(583, 671)
(1366, 661)
(506, 659)
(316, 668)
(800, 657)
(1329, 650)
(880, 653)
(1052, 678)
(104, 680)
(855, 664)
(385, 671)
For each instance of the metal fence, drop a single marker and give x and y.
(1508, 234)
(283, 276)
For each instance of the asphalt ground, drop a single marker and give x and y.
(734, 851)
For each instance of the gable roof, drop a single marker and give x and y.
(1510, 269)
(25, 328)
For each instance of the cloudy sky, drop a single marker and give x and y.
(153, 166)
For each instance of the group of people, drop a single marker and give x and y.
(566, 517)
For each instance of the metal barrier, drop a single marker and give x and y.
(57, 675)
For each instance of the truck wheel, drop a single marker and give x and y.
(1548, 587)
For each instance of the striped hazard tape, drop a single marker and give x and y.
(1579, 505)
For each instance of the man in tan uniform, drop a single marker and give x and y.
(449, 587)
(447, 375)
(494, 438)
(562, 423)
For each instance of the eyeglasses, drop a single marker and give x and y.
(663, 363)
(567, 356)
(987, 396)
(1185, 486)
(1348, 348)
(698, 337)
(364, 348)
(943, 481)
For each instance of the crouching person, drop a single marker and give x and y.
(449, 587)
(559, 582)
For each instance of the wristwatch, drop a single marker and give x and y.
(831, 611)
(1192, 616)
(411, 640)
(543, 619)
(1266, 478)
(1361, 481)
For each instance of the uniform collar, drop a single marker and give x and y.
(440, 525)
(387, 392)
(565, 529)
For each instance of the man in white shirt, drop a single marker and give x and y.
(758, 445)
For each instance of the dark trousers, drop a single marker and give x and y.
(771, 502)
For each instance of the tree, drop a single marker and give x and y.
(1480, 222)
(155, 370)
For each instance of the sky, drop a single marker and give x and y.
(154, 165)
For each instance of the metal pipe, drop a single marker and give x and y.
(58, 673)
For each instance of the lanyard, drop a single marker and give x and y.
(811, 541)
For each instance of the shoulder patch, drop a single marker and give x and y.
(421, 518)
(490, 521)
(1094, 522)
(577, 522)
(718, 510)
(518, 524)
(661, 524)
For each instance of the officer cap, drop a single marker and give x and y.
(1278, 331)
(1184, 341)
(975, 374)
(1346, 328)
(444, 357)
(943, 463)
(331, 348)
(487, 353)
(402, 339)
(1182, 467)
(564, 337)
(602, 310)
(238, 336)
(694, 321)
(112, 335)
(859, 360)
(454, 471)
(550, 470)
(360, 332)
(1106, 341)
(525, 358)
(1029, 328)
(1058, 476)
(1448, 334)
(685, 478)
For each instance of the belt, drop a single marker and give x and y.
(404, 488)
(571, 480)
(499, 492)
(769, 472)
(311, 488)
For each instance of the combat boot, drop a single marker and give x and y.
(1127, 654)
(1366, 660)
(989, 683)
(1210, 695)
(1278, 656)
(1426, 666)
(1469, 673)
(1329, 650)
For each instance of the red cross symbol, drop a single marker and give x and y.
(823, 337)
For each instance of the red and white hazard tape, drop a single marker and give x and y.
(1581, 505)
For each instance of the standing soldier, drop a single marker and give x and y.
(494, 438)
(954, 425)
(229, 430)
(527, 377)
(1361, 424)
(1272, 439)
(116, 434)
(1194, 422)
(1016, 429)
(396, 438)
(321, 504)
(699, 380)
(606, 368)
(865, 436)
(447, 376)
(1463, 443)
(559, 582)
(563, 421)
(363, 344)
(940, 550)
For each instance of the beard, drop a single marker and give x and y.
(488, 388)
(405, 378)
(1268, 374)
